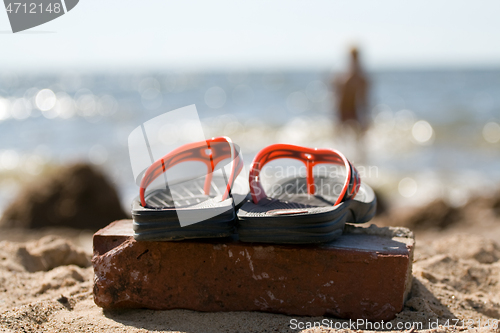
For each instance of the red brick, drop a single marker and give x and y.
(361, 275)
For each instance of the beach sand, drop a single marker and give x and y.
(44, 289)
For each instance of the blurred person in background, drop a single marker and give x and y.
(351, 91)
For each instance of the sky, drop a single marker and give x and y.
(256, 34)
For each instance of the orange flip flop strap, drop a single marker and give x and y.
(310, 157)
(211, 152)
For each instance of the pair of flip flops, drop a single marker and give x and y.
(296, 210)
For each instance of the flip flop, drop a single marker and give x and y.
(194, 208)
(304, 210)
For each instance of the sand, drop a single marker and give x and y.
(46, 286)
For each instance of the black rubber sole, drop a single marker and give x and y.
(171, 231)
(298, 229)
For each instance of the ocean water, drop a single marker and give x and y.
(433, 134)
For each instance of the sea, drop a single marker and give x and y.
(433, 133)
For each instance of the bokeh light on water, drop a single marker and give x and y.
(4, 109)
(407, 187)
(45, 99)
(491, 132)
(422, 132)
